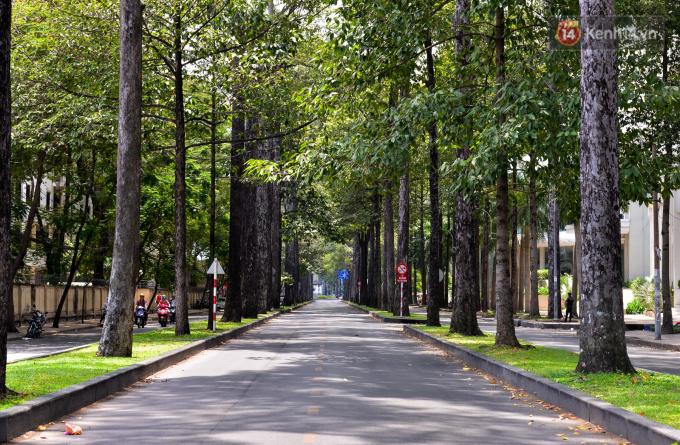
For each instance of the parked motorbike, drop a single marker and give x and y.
(163, 314)
(140, 316)
(36, 323)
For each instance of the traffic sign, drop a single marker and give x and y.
(215, 268)
(358, 284)
(402, 269)
(402, 278)
(343, 274)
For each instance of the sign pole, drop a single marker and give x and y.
(214, 323)
(401, 308)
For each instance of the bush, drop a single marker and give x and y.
(565, 285)
(543, 290)
(542, 274)
(635, 308)
(643, 291)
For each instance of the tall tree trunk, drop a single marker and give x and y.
(390, 265)
(263, 239)
(251, 253)
(181, 276)
(234, 302)
(554, 311)
(403, 244)
(527, 271)
(602, 336)
(276, 230)
(533, 221)
(667, 327)
(513, 247)
(355, 275)
(5, 187)
(477, 268)
(116, 339)
(520, 280)
(423, 267)
(363, 266)
(494, 269)
(370, 266)
(485, 259)
(378, 256)
(505, 329)
(463, 310)
(447, 262)
(213, 149)
(435, 226)
(289, 296)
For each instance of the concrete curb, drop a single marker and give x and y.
(17, 420)
(652, 344)
(546, 325)
(614, 419)
(383, 319)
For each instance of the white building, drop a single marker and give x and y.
(637, 243)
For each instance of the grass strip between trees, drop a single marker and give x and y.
(653, 395)
(326, 297)
(388, 313)
(34, 378)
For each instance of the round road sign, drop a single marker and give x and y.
(402, 269)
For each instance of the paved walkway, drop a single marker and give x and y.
(642, 357)
(66, 338)
(324, 374)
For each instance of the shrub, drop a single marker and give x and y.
(565, 285)
(635, 307)
(542, 290)
(542, 274)
(643, 291)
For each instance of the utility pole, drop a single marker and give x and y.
(657, 256)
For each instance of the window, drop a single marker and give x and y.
(28, 193)
(47, 200)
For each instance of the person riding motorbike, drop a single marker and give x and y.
(140, 306)
(163, 311)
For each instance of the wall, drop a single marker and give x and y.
(89, 298)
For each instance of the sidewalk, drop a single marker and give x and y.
(74, 326)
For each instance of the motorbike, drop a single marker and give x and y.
(36, 323)
(172, 313)
(163, 314)
(140, 316)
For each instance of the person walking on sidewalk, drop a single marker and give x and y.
(570, 307)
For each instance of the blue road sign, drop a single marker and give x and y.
(343, 274)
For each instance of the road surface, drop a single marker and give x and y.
(324, 374)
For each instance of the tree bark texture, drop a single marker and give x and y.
(463, 311)
(377, 283)
(264, 248)
(403, 244)
(578, 276)
(5, 184)
(276, 230)
(435, 223)
(234, 302)
(423, 266)
(527, 272)
(370, 266)
(116, 339)
(363, 266)
(505, 329)
(514, 269)
(602, 336)
(390, 278)
(251, 264)
(485, 259)
(667, 319)
(533, 221)
(554, 269)
(181, 275)
(520, 275)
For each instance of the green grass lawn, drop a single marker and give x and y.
(387, 313)
(34, 378)
(653, 395)
(326, 297)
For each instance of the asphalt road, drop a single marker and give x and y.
(39, 347)
(642, 357)
(324, 374)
